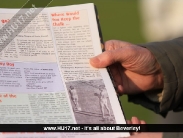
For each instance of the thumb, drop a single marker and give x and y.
(107, 58)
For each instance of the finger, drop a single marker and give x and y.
(121, 85)
(135, 120)
(147, 135)
(142, 122)
(103, 60)
(128, 122)
(115, 44)
(117, 78)
(112, 56)
(109, 57)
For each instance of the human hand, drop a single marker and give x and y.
(147, 135)
(135, 120)
(134, 68)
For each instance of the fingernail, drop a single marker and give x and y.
(133, 117)
(111, 48)
(95, 60)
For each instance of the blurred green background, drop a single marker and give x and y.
(119, 19)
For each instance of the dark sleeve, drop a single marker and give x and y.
(169, 55)
(172, 135)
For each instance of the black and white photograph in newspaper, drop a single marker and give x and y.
(90, 102)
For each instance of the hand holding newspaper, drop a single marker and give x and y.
(46, 78)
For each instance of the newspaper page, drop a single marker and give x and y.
(46, 78)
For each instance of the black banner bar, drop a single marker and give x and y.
(90, 128)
